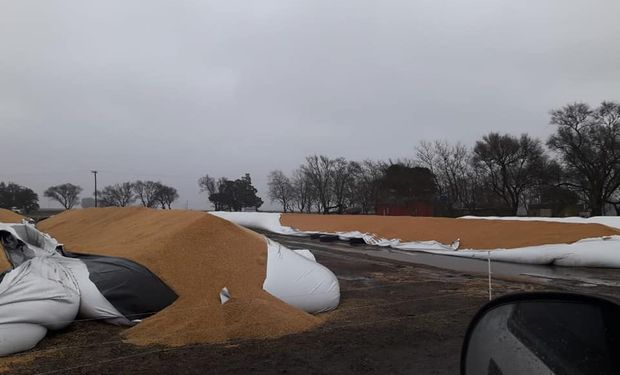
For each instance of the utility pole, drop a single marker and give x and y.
(95, 174)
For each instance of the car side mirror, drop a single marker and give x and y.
(543, 333)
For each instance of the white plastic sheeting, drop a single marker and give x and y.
(45, 291)
(271, 222)
(93, 305)
(38, 295)
(610, 221)
(300, 281)
(259, 220)
(306, 254)
(591, 252)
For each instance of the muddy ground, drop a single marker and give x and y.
(394, 318)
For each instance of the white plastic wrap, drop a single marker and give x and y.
(299, 281)
(259, 220)
(610, 221)
(306, 254)
(39, 292)
(93, 305)
(18, 337)
(270, 221)
(591, 252)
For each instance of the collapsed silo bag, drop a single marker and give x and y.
(130, 288)
(299, 280)
(117, 290)
(38, 295)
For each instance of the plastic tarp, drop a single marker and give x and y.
(300, 281)
(292, 276)
(271, 222)
(590, 252)
(259, 220)
(48, 285)
(38, 295)
(114, 289)
(610, 221)
(93, 305)
(131, 288)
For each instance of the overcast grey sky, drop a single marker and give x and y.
(172, 90)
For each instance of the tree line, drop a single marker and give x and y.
(147, 193)
(18, 197)
(150, 194)
(500, 174)
(336, 185)
(576, 168)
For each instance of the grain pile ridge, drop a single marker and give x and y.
(474, 234)
(197, 255)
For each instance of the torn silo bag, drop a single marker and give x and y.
(132, 289)
(93, 305)
(306, 254)
(299, 281)
(38, 295)
(113, 289)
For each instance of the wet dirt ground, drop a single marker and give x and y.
(394, 318)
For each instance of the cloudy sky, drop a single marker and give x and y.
(172, 90)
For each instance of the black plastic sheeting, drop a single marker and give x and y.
(131, 288)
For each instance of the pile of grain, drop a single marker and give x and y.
(7, 216)
(474, 234)
(197, 255)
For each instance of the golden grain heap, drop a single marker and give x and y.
(474, 234)
(197, 255)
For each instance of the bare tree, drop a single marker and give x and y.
(280, 189)
(366, 184)
(451, 166)
(118, 195)
(338, 184)
(588, 143)
(66, 194)
(343, 183)
(166, 195)
(513, 165)
(614, 200)
(146, 192)
(320, 172)
(304, 194)
(208, 184)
